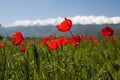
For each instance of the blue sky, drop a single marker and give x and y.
(15, 10)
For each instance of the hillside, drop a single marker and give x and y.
(42, 31)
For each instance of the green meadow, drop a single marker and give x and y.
(85, 61)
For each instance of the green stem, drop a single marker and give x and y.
(71, 33)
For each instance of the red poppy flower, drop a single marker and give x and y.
(91, 38)
(74, 40)
(94, 43)
(65, 25)
(83, 37)
(62, 40)
(17, 38)
(45, 40)
(1, 45)
(58, 42)
(113, 40)
(107, 31)
(52, 45)
(22, 49)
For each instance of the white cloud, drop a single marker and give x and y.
(75, 20)
(95, 20)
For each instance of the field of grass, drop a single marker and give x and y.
(85, 61)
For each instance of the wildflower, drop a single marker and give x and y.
(65, 25)
(1, 45)
(74, 40)
(46, 40)
(107, 31)
(22, 49)
(113, 40)
(91, 38)
(83, 37)
(17, 38)
(63, 40)
(52, 45)
(94, 43)
(58, 42)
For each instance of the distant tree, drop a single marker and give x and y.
(0, 25)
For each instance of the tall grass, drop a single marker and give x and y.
(85, 61)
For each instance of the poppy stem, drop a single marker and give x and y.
(71, 33)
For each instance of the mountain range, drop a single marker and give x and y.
(43, 31)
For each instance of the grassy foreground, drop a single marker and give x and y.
(85, 61)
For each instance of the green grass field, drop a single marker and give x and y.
(84, 61)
